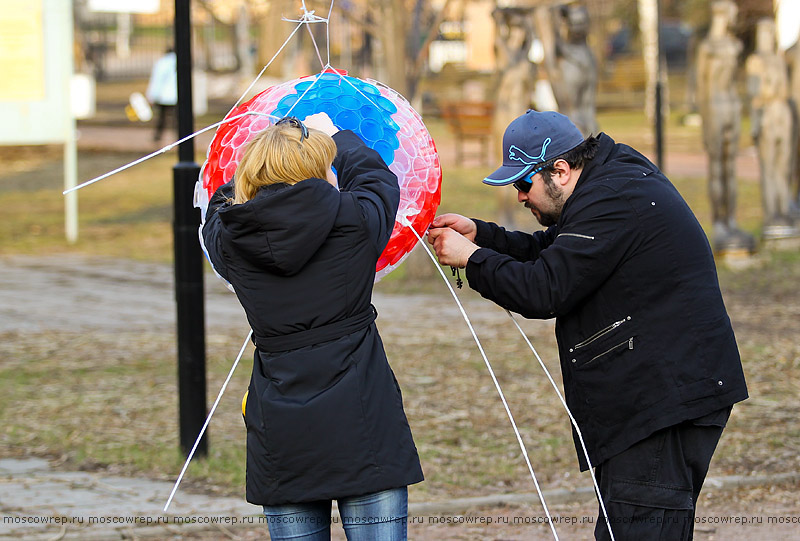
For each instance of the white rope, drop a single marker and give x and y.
(212, 126)
(166, 149)
(571, 418)
(491, 373)
(307, 90)
(335, 72)
(271, 60)
(328, 31)
(208, 420)
(309, 17)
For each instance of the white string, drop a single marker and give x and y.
(167, 148)
(343, 78)
(207, 128)
(571, 418)
(491, 373)
(308, 16)
(307, 90)
(328, 31)
(271, 60)
(310, 33)
(208, 420)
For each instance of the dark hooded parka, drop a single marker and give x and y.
(324, 413)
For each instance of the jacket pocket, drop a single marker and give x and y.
(650, 495)
(606, 342)
(625, 344)
(599, 335)
(614, 376)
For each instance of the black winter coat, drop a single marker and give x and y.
(644, 339)
(324, 413)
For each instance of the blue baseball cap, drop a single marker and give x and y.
(532, 139)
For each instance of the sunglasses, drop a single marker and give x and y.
(525, 184)
(294, 121)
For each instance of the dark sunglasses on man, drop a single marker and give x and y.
(525, 184)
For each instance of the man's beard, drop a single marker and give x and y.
(544, 218)
(556, 199)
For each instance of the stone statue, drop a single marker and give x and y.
(793, 61)
(514, 85)
(771, 128)
(571, 65)
(720, 110)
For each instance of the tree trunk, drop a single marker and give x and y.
(271, 36)
(392, 58)
(648, 27)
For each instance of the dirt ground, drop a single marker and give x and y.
(753, 514)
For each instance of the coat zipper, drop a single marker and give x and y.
(580, 236)
(628, 342)
(600, 333)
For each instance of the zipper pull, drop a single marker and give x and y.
(630, 342)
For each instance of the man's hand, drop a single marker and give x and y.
(451, 247)
(459, 223)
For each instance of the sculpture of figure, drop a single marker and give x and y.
(720, 109)
(771, 126)
(793, 60)
(571, 65)
(578, 70)
(514, 84)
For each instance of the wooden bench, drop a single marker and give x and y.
(470, 121)
(625, 79)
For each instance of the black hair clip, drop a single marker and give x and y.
(294, 121)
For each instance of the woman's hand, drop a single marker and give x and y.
(321, 122)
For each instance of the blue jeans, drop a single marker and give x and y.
(380, 516)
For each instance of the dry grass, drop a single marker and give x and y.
(108, 400)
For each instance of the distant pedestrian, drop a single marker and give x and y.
(162, 91)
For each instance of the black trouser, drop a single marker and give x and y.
(166, 114)
(650, 490)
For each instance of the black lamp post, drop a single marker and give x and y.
(189, 294)
(659, 97)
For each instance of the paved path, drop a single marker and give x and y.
(73, 292)
(38, 503)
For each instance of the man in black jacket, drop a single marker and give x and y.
(648, 357)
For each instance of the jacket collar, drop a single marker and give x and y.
(283, 226)
(606, 145)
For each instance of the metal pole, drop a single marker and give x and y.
(188, 255)
(70, 142)
(659, 97)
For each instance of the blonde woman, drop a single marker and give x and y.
(324, 413)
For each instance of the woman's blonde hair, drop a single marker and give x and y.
(278, 155)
